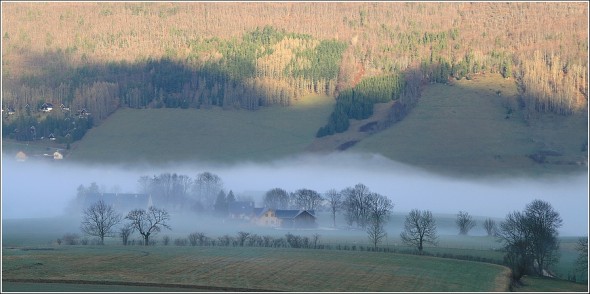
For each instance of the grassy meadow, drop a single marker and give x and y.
(254, 268)
(161, 135)
(466, 127)
(30, 254)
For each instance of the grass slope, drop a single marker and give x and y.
(160, 135)
(255, 268)
(537, 284)
(463, 128)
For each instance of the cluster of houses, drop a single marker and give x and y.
(21, 156)
(238, 210)
(48, 107)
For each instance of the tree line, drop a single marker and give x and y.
(265, 67)
(149, 55)
(529, 238)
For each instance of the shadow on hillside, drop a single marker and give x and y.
(148, 83)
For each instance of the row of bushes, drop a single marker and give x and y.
(244, 239)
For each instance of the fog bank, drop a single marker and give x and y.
(44, 188)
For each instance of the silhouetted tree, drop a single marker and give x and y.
(334, 199)
(99, 219)
(530, 239)
(148, 222)
(306, 199)
(419, 228)
(125, 232)
(221, 204)
(206, 187)
(464, 222)
(276, 198)
(490, 226)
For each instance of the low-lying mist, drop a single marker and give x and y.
(41, 188)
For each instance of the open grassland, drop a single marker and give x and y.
(255, 268)
(161, 135)
(467, 127)
(536, 284)
(43, 233)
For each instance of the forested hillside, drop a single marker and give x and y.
(94, 58)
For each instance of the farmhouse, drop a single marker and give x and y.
(241, 210)
(47, 107)
(57, 156)
(284, 218)
(122, 202)
(21, 156)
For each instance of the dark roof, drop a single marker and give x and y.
(241, 207)
(259, 211)
(284, 213)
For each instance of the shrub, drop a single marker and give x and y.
(71, 239)
(180, 242)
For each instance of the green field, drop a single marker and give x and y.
(460, 128)
(463, 128)
(536, 284)
(161, 135)
(254, 268)
(28, 242)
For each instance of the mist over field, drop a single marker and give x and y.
(44, 188)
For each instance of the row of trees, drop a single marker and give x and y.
(100, 220)
(177, 191)
(530, 238)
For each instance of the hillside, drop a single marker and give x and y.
(463, 128)
(161, 135)
(476, 127)
(94, 58)
(223, 81)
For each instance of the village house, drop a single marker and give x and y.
(57, 155)
(284, 218)
(21, 156)
(241, 210)
(47, 107)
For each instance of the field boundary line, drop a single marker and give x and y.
(146, 284)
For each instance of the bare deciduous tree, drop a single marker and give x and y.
(148, 222)
(531, 239)
(378, 209)
(125, 232)
(99, 219)
(276, 198)
(465, 222)
(206, 187)
(306, 199)
(419, 228)
(490, 226)
(334, 199)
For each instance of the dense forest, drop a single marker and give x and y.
(92, 58)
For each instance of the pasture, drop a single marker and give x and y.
(30, 254)
(476, 127)
(277, 269)
(162, 135)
